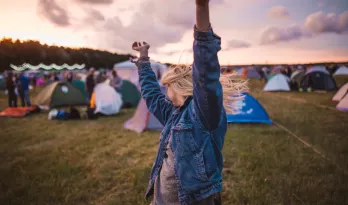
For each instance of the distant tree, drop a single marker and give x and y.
(18, 52)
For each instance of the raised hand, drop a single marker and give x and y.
(202, 15)
(202, 2)
(142, 48)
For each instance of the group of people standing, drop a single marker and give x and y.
(92, 81)
(18, 86)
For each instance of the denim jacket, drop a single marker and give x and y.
(198, 127)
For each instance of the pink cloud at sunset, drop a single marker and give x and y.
(252, 31)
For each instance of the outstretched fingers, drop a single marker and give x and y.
(146, 45)
(135, 46)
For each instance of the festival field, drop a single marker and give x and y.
(301, 159)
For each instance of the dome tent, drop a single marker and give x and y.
(318, 78)
(107, 100)
(252, 73)
(343, 91)
(130, 94)
(251, 111)
(296, 79)
(129, 71)
(81, 86)
(143, 119)
(343, 70)
(59, 94)
(343, 104)
(278, 82)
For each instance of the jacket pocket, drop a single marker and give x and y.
(200, 167)
(183, 134)
(189, 151)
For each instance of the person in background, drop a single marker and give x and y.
(10, 86)
(265, 73)
(116, 81)
(34, 81)
(261, 73)
(90, 83)
(60, 76)
(288, 71)
(101, 76)
(24, 90)
(70, 77)
(55, 77)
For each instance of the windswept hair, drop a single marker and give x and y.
(179, 77)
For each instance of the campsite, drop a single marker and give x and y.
(177, 102)
(295, 154)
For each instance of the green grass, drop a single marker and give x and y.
(97, 162)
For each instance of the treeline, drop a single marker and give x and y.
(18, 52)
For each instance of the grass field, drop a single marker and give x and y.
(97, 162)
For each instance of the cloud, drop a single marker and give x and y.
(278, 12)
(142, 28)
(315, 24)
(238, 44)
(53, 12)
(96, 1)
(274, 34)
(320, 22)
(172, 13)
(95, 15)
(164, 22)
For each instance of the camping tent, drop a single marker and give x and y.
(251, 111)
(279, 82)
(130, 94)
(317, 69)
(107, 100)
(318, 78)
(82, 76)
(276, 69)
(59, 94)
(343, 70)
(296, 79)
(252, 73)
(341, 93)
(81, 86)
(129, 71)
(143, 119)
(343, 104)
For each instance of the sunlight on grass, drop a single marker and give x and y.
(98, 162)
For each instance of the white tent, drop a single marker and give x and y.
(278, 82)
(107, 100)
(341, 93)
(343, 70)
(129, 71)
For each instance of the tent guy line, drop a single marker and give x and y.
(309, 146)
(298, 100)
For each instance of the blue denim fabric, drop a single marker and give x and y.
(27, 97)
(198, 127)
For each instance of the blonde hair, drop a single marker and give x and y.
(179, 78)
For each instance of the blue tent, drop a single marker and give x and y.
(251, 111)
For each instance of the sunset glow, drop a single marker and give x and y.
(266, 31)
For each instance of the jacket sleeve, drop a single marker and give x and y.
(151, 92)
(207, 89)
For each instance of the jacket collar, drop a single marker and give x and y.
(186, 103)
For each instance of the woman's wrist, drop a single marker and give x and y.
(142, 60)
